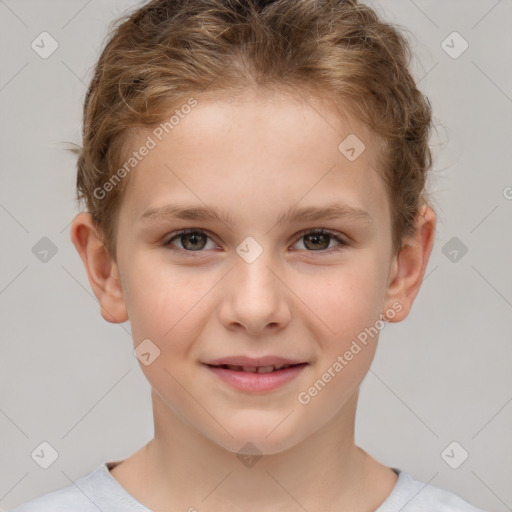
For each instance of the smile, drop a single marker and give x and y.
(254, 369)
(256, 379)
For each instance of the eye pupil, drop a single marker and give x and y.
(194, 237)
(316, 237)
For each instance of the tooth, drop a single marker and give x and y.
(265, 369)
(255, 369)
(250, 369)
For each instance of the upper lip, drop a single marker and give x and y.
(253, 361)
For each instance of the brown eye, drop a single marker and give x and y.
(189, 240)
(317, 241)
(193, 241)
(320, 240)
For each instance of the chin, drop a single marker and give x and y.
(256, 440)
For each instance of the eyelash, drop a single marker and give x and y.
(341, 242)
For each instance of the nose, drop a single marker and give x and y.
(255, 298)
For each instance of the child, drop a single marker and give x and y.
(290, 138)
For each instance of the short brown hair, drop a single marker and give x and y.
(169, 50)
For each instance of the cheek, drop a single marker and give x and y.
(166, 306)
(168, 310)
(344, 301)
(348, 304)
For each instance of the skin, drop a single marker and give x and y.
(255, 157)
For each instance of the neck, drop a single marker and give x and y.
(180, 469)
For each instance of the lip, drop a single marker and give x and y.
(250, 382)
(269, 360)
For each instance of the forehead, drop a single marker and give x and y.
(254, 149)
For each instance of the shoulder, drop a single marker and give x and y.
(61, 500)
(81, 496)
(410, 495)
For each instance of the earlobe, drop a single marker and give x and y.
(101, 270)
(409, 265)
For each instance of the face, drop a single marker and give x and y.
(257, 281)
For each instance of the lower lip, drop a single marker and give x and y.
(257, 382)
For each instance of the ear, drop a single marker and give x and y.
(102, 271)
(408, 267)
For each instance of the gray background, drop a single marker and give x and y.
(69, 378)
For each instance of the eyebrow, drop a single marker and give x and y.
(293, 214)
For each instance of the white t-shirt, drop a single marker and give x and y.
(99, 490)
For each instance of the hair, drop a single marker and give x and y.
(166, 51)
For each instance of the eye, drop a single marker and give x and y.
(191, 240)
(319, 240)
(195, 240)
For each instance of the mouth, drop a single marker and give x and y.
(256, 379)
(256, 369)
